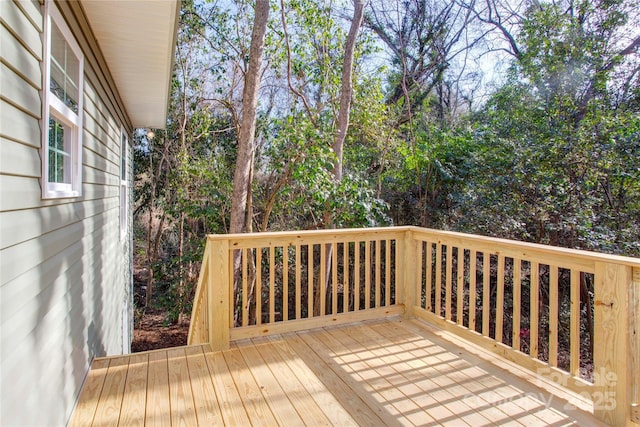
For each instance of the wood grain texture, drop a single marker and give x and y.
(378, 372)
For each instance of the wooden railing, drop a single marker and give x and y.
(570, 316)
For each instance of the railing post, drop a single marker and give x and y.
(409, 274)
(634, 344)
(612, 377)
(219, 285)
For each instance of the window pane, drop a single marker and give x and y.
(123, 158)
(65, 68)
(59, 156)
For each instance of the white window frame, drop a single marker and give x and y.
(54, 108)
(124, 184)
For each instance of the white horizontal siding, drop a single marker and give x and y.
(64, 271)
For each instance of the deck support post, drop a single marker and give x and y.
(614, 376)
(219, 282)
(408, 280)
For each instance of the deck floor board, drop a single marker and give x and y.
(389, 372)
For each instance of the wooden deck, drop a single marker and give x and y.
(381, 372)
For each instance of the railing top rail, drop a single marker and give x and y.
(526, 248)
(246, 240)
(523, 249)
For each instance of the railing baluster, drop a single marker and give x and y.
(447, 275)
(534, 293)
(245, 294)
(345, 272)
(460, 286)
(285, 282)
(367, 274)
(553, 315)
(387, 272)
(574, 332)
(272, 284)
(486, 293)
(420, 268)
(258, 286)
(517, 304)
(472, 290)
(500, 299)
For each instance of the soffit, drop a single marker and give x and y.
(137, 40)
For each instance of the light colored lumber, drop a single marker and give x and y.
(311, 399)
(517, 304)
(272, 285)
(298, 296)
(135, 391)
(316, 322)
(322, 286)
(361, 406)
(273, 394)
(158, 404)
(257, 408)
(285, 283)
(553, 315)
(378, 375)
(180, 392)
(486, 293)
(611, 350)
(108, 410)
(233, 411)
(90, 394)
(204, 396)
(346, 269)
(574, 324)
(220, 294)
(500, 299)
(245, 287)
(258, 286)
(472, 289)
(534, 310)
(367, 274)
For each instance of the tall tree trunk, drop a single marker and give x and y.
(246, 137)
(346, 92)
(241, 198)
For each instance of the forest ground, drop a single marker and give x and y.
(150, 329)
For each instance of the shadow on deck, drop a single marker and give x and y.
(378, 372)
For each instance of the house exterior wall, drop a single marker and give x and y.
(65, 272)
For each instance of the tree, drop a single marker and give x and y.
(242, 178)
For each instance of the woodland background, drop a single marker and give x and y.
(507, 118)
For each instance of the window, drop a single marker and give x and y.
(124, 196)
(62, 109)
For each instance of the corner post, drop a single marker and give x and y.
(219, 282)
(409, 273)
(634, 345)
(612, 353)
